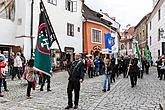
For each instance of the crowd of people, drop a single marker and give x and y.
(18, 66)
(110, 67)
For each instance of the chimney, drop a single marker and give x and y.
(114, 18)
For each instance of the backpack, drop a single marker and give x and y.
(89, 63)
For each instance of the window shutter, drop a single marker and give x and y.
(68, 29)
(74, 6)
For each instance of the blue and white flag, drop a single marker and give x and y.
(109, 41)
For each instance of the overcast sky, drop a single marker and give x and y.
(125, 11)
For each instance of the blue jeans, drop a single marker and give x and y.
(107, 77)
(97, 71)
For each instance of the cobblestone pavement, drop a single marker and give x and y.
(145, 96)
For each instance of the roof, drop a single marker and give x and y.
(144, 18)
(94, 16)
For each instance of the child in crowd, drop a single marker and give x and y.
(30, 77)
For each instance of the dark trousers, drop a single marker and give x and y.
(133, 79)
(73, 85)
(16, 72)
(113, 77)
(46, 77)
(30, 85)
(162, 73)
(159, 72)
(141, 74)
(124, 73)
(90, 72)
(147, 70)
(0, 84)
(4, 83)
(11, 70)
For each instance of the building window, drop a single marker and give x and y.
(158, 53)
(7, 9)
(54, 2)
(71, 5)
(140, 36)
(143, 33)
(122, 46)
(159, 34)
(70, 29)
(96, 36)
(159, 14)
(150, 25)
(78, 29)
(150, 41)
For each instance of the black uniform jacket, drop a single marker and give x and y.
(76, 71)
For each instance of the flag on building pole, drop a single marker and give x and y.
(148, 55)
(45, 38)
(138, 53)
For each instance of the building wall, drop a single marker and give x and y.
(141, 36)
(7, 32)
(156, 24)
(59, 18)
(88, 45)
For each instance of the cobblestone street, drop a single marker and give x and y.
(145, 96)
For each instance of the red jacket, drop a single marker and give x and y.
(2, 65)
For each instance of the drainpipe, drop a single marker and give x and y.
(31, 29)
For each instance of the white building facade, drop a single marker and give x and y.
(65, 16)
(156, 30)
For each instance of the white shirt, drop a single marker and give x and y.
(17, 62)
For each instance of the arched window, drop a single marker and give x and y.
(122, 46)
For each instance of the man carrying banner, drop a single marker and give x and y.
(46, 37)
(76, 76)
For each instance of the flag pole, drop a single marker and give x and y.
(50, 26)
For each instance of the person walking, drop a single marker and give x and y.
(45, 77)
(11, 63)
(159, 63)
(30, 77)
(162, 69)
(97, 66)
(107, 75)
(76, 76)
(113, 70)
(17, 66)
(2, 75)
(133, 72)
(23, 59)
(90, 67)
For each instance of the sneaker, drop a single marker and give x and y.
(108, 89)
(75, 107)
(49, 90)
(104, 90)
(68, 107)
(41, 89)
(7, 90)
(29, 97)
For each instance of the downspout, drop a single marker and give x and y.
(82, 26)
(31, 28)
